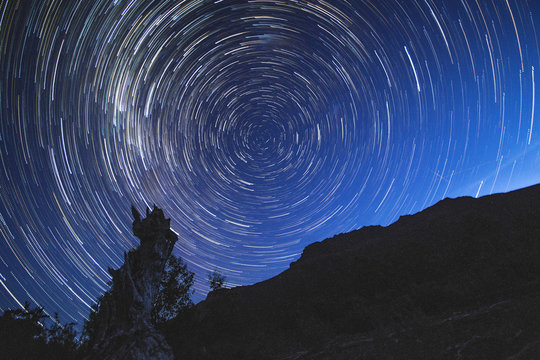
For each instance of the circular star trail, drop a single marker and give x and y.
(258, 126)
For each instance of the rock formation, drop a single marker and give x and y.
(123, 327)
(459, 280)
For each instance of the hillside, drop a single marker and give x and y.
(460, 279)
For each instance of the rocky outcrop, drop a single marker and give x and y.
(459, 280)
(123, 326)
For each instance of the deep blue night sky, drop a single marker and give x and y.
(258, 126)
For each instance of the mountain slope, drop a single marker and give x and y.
(460, 279)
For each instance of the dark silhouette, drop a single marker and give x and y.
(62, 340)
(121, 326)
(216, 280)
(460, 279)
(23, 335)
(174, 295)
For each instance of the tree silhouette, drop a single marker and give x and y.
(62, 339)
(21, 332)
(23, 335)
(216, 280)
(175, 292)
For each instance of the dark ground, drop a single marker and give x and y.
(459, 280)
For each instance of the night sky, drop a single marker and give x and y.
(258, 126)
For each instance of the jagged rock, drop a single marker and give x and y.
(124, 328)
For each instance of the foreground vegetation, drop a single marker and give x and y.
(29, 333)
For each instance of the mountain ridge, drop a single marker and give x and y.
(459, 256)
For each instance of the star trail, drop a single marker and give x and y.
(258, 126)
